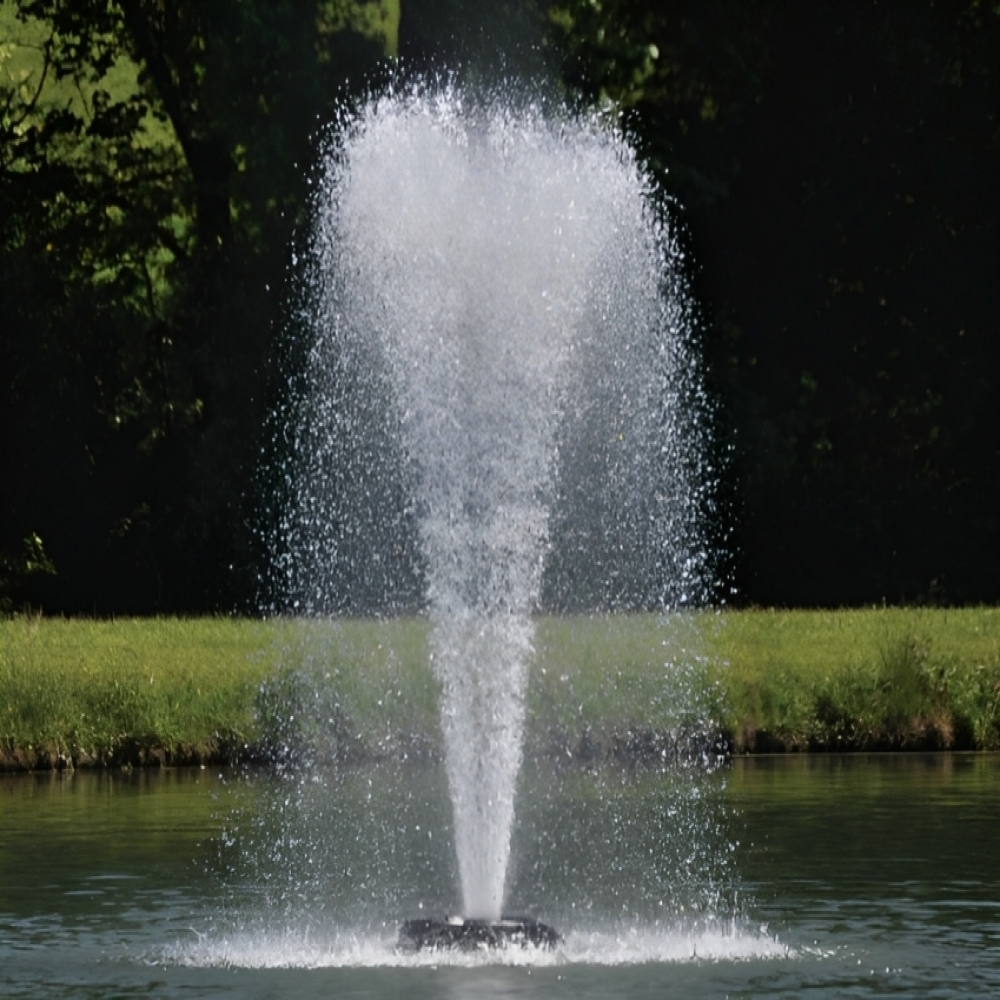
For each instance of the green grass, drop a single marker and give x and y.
(181, 691)
(93, 690)
(165, 690)
(861, 679)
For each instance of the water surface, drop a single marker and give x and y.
(819, 877)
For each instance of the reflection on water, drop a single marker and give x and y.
(854, 876)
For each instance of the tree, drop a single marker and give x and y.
(836, 165)
(831, 167)
(153, 165)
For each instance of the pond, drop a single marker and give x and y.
(824, 876)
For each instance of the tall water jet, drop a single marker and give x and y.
(498, 411)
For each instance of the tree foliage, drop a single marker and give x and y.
(152, 167)
(837, 166)
(832, 167)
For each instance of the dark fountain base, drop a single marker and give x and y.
(460, 934)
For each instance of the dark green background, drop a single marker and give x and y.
(834, 170)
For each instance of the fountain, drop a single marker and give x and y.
(498, 413)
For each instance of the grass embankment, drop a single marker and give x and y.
(174, 691)
(84, 693)
(875, 679)
(135, 691)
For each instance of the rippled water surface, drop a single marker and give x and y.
(844, 877)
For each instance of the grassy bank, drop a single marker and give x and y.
(91, 692)
(863, 679)
(84, 693)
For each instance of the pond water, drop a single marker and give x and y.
(808, 876)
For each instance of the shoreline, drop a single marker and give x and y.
(627, 750)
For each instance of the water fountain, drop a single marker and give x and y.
(876, 869)
(499, 412)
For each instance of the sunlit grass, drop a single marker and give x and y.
(886, 677)
(170, 690)
(87, 688)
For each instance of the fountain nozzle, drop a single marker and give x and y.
(469, 934)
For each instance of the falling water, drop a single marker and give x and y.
(498, 411)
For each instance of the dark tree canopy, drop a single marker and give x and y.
(154, 160)
(833, 167)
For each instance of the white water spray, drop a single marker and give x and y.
(499, 409)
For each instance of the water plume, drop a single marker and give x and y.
(499, 410)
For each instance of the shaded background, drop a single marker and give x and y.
(833, 167)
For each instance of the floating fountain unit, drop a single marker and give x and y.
(472, 935)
